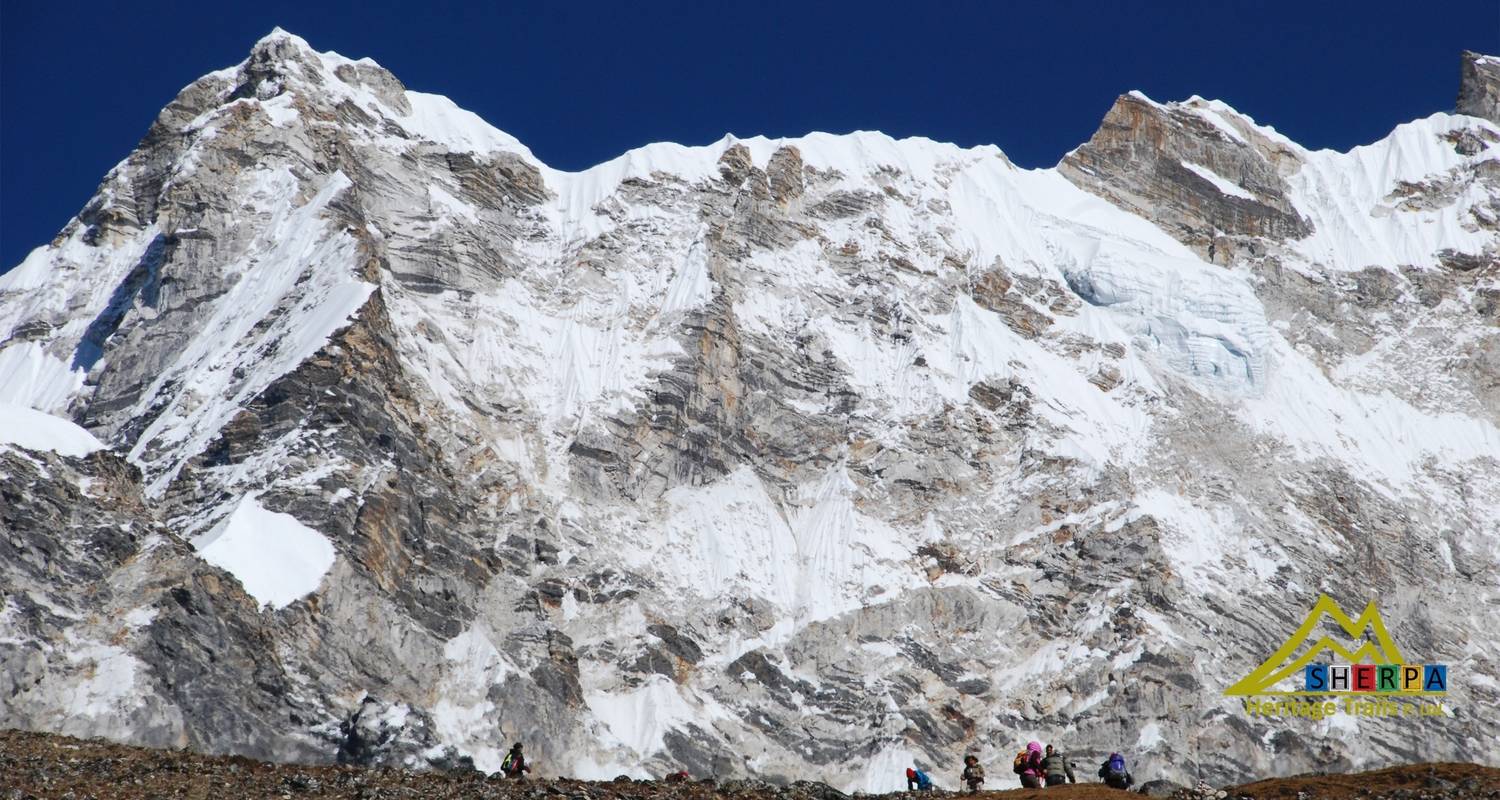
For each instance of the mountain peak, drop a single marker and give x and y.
(280, 56)
(1169, 162)
(278, 34)
(274, 59)
(281, 45)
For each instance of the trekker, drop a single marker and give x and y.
(973, 773)
(1028, 764)
(917, 780)
(514, 765)
(1114, 773)
(1059, 768)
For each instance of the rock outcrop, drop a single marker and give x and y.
(1206, 174)
(1479, 86)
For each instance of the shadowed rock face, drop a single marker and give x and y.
(1479, 86)
(802, 458)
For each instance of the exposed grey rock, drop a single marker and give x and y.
(1479, 86)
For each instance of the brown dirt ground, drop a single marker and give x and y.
(1436, 780)
(47, 766)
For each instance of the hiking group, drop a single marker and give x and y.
(1051, 767)
(1037, 768)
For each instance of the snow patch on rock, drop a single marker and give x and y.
(277, 559)
(639, 719)
(38, 430)
(1224, 185)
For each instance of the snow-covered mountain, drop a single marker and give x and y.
(373, 437)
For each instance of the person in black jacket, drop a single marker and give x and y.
(514, 765)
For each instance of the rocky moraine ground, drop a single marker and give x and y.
(43, 766)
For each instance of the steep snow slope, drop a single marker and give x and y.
(800, 457)
(1360, 217)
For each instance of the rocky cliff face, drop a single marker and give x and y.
(1479, 89)
(1207, 175)
(797, 458)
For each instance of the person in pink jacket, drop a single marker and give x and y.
(1028, 765)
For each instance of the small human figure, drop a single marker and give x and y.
(1059, 768)
(1028, 765)
(973, 773)
(514, 765)
(1114, 773)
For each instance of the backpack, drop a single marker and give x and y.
(923, 782)
(1022, 762)
(1116, 763)
(509, 763)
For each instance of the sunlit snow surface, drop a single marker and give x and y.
(1348, 199)
(32, 377)
(276, 558)
(38, 430)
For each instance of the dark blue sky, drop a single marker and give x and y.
(581, 82)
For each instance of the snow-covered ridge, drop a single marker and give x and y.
(1228, 121)
(1357, 221)
(433, 117)
(1220, 114)
(437, 119)
(1416, 154)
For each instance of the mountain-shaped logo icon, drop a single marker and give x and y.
(1282, 665)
